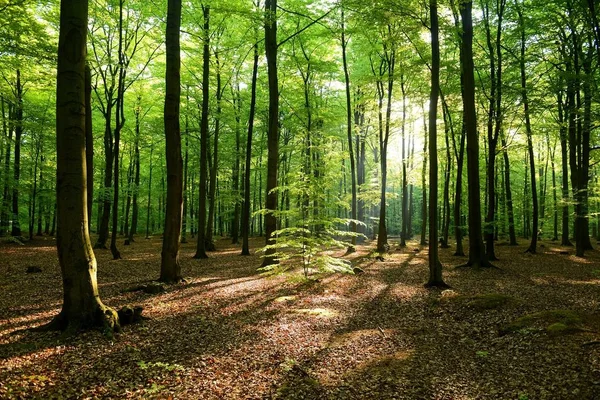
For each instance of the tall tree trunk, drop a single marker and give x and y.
(405, 218)
(119, 122)
(148, 206)
(349, 128)
(247, 169)
(435, 266)
(184, 227)
(477, 256)
(82, 306)
(273, 130)
(16, 227)
(89, 144)
(170, 269)
(136, 183)
(534, 233)
(424, 183)
(7, 131)
(235, 176)
(210, 244)
(509, 200)
(201, 242)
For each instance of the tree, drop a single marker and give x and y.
(82, 307)
(435, 266)
(201, 243)
(477, 256)
(273, 130)
(170, 269)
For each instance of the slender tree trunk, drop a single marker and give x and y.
(534, 233)
(509, 200)
(349, 127)
(435, 266)
(120, 121)
(7, 131)
(201, 242)
(273, 130)
(89, 144)
(424, 184)
(235, 222)
(210, 244)
(16, 227)
(148, 206)
(170, 268)
(477, 256)
(247, 169)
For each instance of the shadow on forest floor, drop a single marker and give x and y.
(234, 333)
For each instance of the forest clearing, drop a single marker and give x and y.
(232, 333)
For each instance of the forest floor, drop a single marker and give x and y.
(526, 331)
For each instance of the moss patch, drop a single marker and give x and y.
(554, 322)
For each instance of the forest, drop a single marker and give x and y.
(329, 199)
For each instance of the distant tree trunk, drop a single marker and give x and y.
(554, 194)
(119, 122)
(82, 307)
(405, 210)
(136, 187)
(448, 131)
(129, 194)
(534, 233)
(247, 169)
(424, 184)
(494, 124)
(349, 128)
(509, 201)
(170, 269)
(108, 172)
(477, 256)
(148, 206)
(435, 266)
(16, 227)
(382, 242)
(89, 144)
(210, 244)
(184, 227)
(273, 130)
(7, 131)
(235, 176)
(562, 120)
(201, 242)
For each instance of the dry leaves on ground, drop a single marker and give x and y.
(526, 331)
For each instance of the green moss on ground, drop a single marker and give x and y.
(554, 322)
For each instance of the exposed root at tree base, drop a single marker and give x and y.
(437, 285)
(104, 318)
(478, 265)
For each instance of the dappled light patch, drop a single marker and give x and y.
(317, 312)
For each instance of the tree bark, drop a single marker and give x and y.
(16, 227)
(435, 266)
(273, 130)
(201, 242)
(170, 268)
(349, 129)
(247, 169)
(82, 306)
(477, 256)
